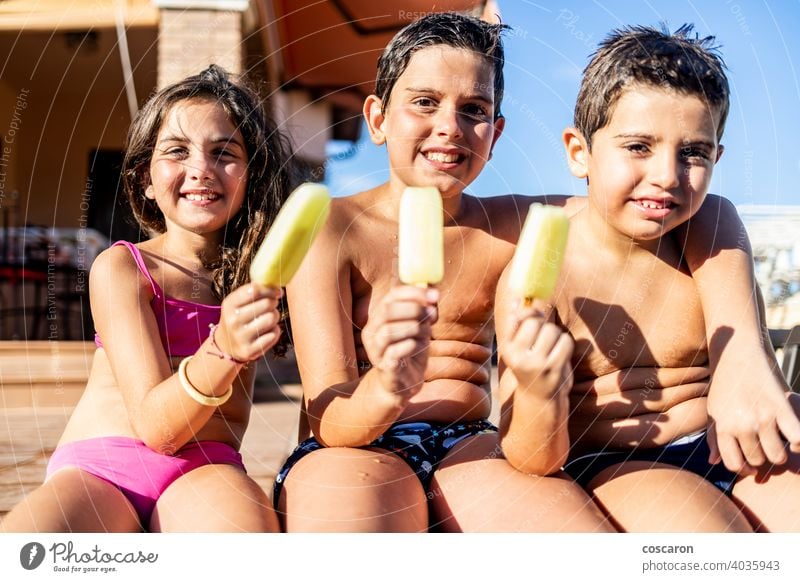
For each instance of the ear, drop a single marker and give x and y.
(577, 152)
(720, 151)
(499, 125)
(150, 192)
(373, 113)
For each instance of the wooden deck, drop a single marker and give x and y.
(29, 435)
(40, 383)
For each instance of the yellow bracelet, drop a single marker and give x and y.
(195, 394)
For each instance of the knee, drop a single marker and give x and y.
(342, 489)
(346, 467)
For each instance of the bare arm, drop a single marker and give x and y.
(747, 404)
(160, 410)
(535, 379)
(345, 409)
(718, 253)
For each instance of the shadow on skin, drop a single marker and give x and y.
(713, 210)
(721, 338)
(618, 343)
(613, 331)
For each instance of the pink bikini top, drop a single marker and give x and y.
(182, 325)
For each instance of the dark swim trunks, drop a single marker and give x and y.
(690, 453)
(422, 445)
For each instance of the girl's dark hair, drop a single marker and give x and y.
(269, 180)
(442, 28)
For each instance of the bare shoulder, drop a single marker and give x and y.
(358, 218)
(338, 243)
(501, 214)
(714, 203)
(518, 204)
(350, 213)
(504, 215)
(115, 269)
(344, 209)
(575, 204)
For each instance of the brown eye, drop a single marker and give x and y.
(176, 152)
(425, 103)
(637, 148)
(694, 152)
(476, 112)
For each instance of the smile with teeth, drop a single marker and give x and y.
(201, 196)
(654, 204)
(443, 157)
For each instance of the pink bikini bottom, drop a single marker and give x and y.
(139, 472)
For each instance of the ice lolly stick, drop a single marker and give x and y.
(421, 252)
(299, 221)
(537, 259)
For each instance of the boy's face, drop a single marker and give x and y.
(439, 127)
(649, 169)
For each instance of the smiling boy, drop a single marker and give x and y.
(396, 378)
(648, 123)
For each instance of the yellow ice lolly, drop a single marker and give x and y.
(421, 252)
(300, 219)
(537, 260)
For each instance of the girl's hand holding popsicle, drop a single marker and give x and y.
(249, 325)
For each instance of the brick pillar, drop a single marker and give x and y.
(191, 39)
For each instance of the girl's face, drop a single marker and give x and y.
(198, 172)
(439, 127)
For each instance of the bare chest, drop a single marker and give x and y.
(474, 261)
(647, 315)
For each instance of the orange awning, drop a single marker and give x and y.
(66, 15)
(334, 45)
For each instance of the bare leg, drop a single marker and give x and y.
(73, 501)
(772, 502)
(651, 497)
(214, 498)
(350, 490)
(476, 490)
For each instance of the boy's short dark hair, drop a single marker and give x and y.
(441, 28)
(647, 56)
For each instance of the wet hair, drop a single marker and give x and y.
(269, 173)
(442, 28)
(641, 55)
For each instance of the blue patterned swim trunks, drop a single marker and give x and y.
(689, 453)
(422, 445)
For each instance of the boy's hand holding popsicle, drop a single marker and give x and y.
(535, 354)
(538, 352)
(398, 333)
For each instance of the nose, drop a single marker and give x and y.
(666, 171)
(448, 123)
(200, 168)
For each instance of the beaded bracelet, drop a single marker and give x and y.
(219, 353)
(195, 394)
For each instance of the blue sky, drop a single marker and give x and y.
(548, 48)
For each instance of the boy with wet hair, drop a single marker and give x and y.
(396, 378)
(646, 406)
(444, 28)
(642, 55)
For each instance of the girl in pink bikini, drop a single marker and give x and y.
(153, 442)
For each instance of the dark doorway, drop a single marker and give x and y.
(109, 212)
